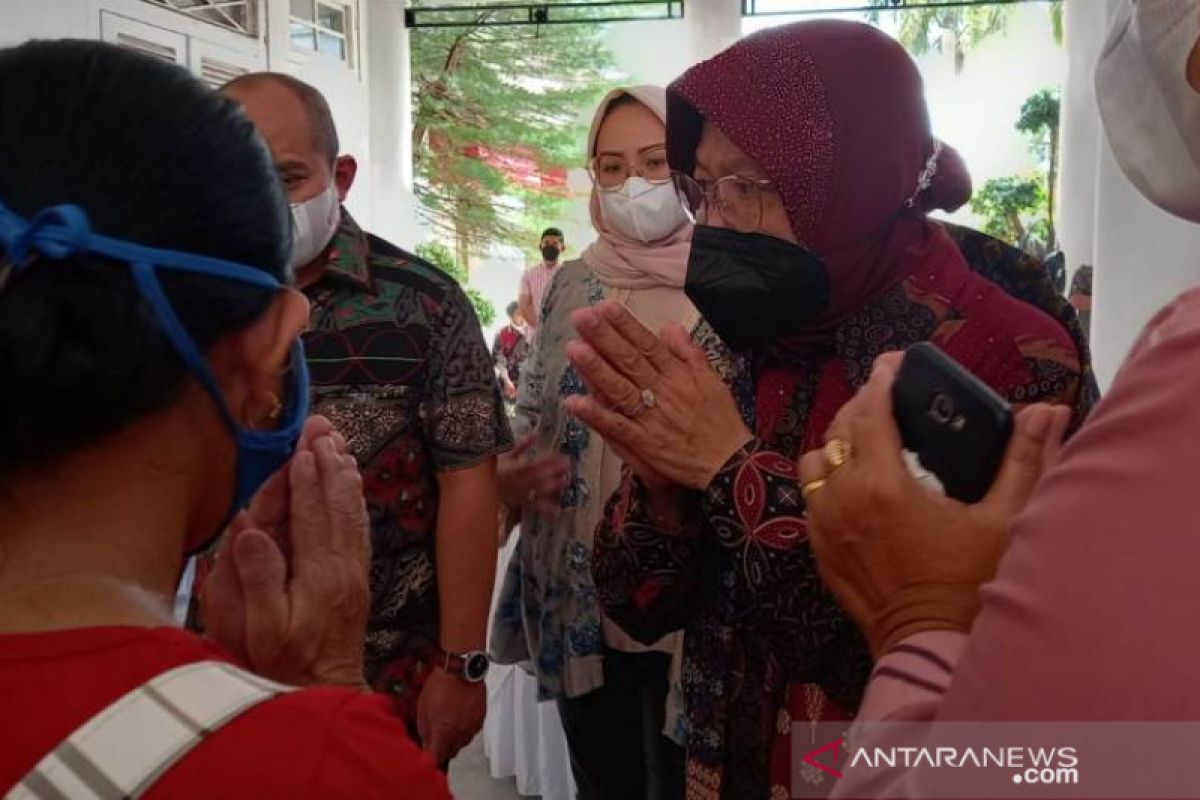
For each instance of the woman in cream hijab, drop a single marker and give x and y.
(612, 692)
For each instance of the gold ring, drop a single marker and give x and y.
(837, 453)
(811, 488)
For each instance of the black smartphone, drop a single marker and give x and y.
(955, 423)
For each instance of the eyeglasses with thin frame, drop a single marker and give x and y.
(609, 171)
(737, 199)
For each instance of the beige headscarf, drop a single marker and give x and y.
(617, 260)
(1151, 113)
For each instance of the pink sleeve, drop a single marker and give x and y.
(1091, 614)
(1086, 617)
(526, 290)
(909, 682)
(907, 685)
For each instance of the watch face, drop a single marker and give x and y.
(475, 667)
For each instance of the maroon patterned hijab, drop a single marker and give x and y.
(834, 114)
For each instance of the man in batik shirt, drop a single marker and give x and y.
(400, 366)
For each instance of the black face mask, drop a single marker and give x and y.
(550, 252)
(752, 288)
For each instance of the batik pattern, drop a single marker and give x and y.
(739, 577)
(400, 367)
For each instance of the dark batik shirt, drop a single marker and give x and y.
(400, 366)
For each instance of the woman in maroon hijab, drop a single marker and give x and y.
(807, 153)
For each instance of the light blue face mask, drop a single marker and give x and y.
(62, 231)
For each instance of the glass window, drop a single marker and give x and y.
(330, 18)
(331, 45)
(302, 9)
(323, 26)
(236, 15)
(303, 37)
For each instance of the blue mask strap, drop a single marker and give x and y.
(177, 334)
(64, 230)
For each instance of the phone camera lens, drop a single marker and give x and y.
(942, 409)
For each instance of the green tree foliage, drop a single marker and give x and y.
(1020, 209)
(518, 91)
(1040, 120)
(958, 29)
(440, 256)
(1009, 207)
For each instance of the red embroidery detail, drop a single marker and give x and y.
(750, 496)
(781, 533)
(775, 464)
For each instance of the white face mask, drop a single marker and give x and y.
(643, 211)
(314, 222)
(1151, 114)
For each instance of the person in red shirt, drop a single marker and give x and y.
(153, 385)
(509, 351)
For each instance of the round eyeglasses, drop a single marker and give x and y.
(736, 200)
(610, 171)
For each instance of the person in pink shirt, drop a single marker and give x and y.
(536, 280)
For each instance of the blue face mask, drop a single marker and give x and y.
(62, 231)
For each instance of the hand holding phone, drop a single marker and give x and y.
(956, 424)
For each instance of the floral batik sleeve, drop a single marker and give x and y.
(463, 412)
(754, 509)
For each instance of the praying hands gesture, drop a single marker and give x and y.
(288, 593)
(654, 399)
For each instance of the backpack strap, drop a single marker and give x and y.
(123, 750)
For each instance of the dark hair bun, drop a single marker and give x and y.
(154, 157)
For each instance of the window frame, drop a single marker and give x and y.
(348, 36)
(251, 27)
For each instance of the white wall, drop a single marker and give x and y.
(389, 123)
(1142, 256)
(1082, 136)
(371, 119)
(46, 19)
(659, 52)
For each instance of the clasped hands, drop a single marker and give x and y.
(288, 592)
(654, 398)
